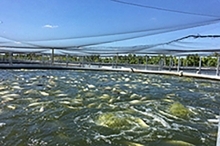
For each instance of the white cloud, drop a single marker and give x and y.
(154, 19)
(16, 42)
(50, 26)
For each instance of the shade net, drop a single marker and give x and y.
(140, 27)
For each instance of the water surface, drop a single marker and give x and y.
(54, 107)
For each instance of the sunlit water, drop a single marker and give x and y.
(58, 108)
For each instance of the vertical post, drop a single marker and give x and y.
(218, 64)
(67, 60)
(5, 58)
(2, 57)
(146, 62)
(218, 136)
(42, 58)
(178, 68)
(200, 65)
(113, 62)
(161, 64)
(18, 59)
(164, 60)
(82, 61)
(89, 61)
(52, 56)
(102, 62)
(116, 62)
(26, 57)
(170, 63)
(10, 58)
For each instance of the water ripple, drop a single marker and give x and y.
(51, 107)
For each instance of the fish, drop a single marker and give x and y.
(38, 103)
(90, 86)
(31, 92)
(178, 143)
(65, 102)
(127, 143)
(17, 87)
(62, 95)
(11, 107)
(44, 93)
(41, 109)
(4, 92)
(104, 96)
(135, 102)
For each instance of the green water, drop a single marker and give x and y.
(76, 108)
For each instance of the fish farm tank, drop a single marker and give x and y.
(110, 73)
(54, 107)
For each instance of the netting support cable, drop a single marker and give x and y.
(164, 9)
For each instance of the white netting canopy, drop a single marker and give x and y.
(110, 26)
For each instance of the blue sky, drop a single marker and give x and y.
(76, 22)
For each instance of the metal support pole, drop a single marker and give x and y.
(112, 62)
(164, 60)
(178, 68)
(10, 58)
(82, 61)
(200, 65)
(218, 136)
(89, 61)
(146, 62)
(170, 63)
(42, 58)
(116, 63)
(5, 57)
(26, 57)
(1, 57)
(161, 64)
(67, 60)
(218, 64)
(18, 57)
(52, 56)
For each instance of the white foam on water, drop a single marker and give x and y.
(2, 124)
(154, 116)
